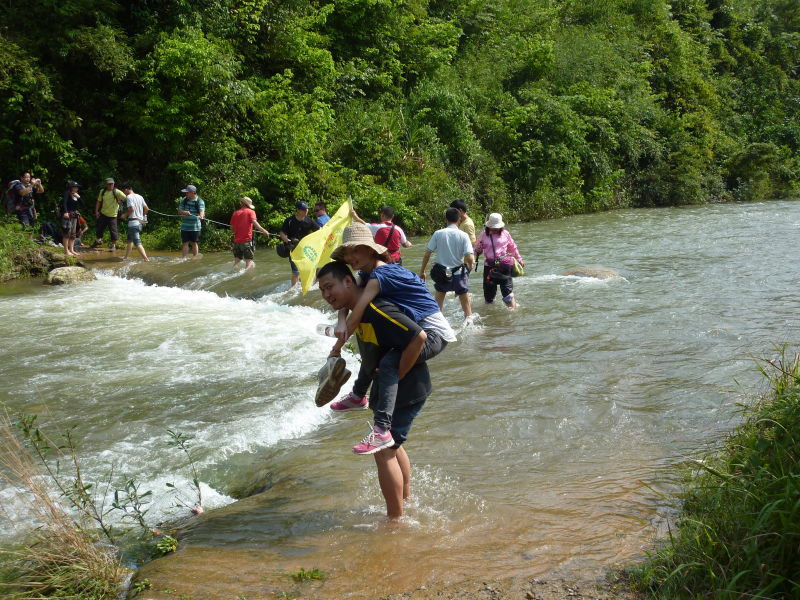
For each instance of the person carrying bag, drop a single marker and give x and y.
(500, 254)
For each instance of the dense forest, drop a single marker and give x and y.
(537, 108)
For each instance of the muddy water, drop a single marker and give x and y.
(542, 448)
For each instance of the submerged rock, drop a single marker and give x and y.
(63, 275)
(595, 272)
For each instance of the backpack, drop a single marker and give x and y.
(11, 197)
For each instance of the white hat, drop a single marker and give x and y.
(495, 221)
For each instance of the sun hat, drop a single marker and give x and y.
(109, 180)
(189, 188)
(495, 221)
(356, 234)
(245, 201)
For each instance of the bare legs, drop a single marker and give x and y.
(195, 249)
(394, 476)
(466, 303)
(68, 242)
(140, 249)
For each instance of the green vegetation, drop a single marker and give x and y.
(534, 108)
(303, 575)
(76, 551)
(63, 557)
(21, 257)
(738, 532)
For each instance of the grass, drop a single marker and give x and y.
(62, 558)
(14, 242)
(738, 533)
(303, 575)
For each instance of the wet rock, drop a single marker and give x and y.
(594, 272)
(65, 275)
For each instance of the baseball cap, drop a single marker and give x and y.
(189, 188)
(300, 205)
(109, 180)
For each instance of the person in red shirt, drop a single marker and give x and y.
(386, 233)
(242, 223)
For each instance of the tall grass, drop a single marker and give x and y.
(61, 558)
(13, 241)
(738, 534)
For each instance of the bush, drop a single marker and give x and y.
(739, 525)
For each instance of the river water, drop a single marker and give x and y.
(543, 448)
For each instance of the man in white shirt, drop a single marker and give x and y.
(136, 209)
(455, 258)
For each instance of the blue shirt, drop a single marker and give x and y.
(196, 206)
(322, 219)
(406, 290)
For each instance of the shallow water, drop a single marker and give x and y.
(542, 449)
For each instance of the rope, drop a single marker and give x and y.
(204, 219)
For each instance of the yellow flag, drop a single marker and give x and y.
(314, 250)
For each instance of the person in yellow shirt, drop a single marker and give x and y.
(106, 210)
(465, 224)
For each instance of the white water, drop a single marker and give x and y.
(121, 361)
(542, 447)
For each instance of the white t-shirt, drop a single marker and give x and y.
(450, 245)
(138, 204)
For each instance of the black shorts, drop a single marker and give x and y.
(190, 236)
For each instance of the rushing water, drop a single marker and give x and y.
(541, 449)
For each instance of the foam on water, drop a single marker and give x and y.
(239, 375)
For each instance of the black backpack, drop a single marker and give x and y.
(11, 197)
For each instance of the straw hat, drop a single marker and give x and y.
(495, 221)
(356, 234)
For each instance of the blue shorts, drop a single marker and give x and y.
(459, 283)
(134, 231)
(295, 271)
(401, 421)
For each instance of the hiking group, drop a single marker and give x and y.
(398, 323)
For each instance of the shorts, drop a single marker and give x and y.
(243, 250)
(134, 231)
(295, 270)
(459, 283)
(401, 421)
(26, 217)
(190, 236)
(396, 403)
(69, 227)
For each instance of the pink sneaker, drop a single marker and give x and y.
(350, 402)
(375, 441)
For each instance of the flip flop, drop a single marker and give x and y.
(332, 377)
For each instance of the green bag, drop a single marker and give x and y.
(517, 270)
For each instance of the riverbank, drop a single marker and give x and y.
(568, 411)
(22, 257)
